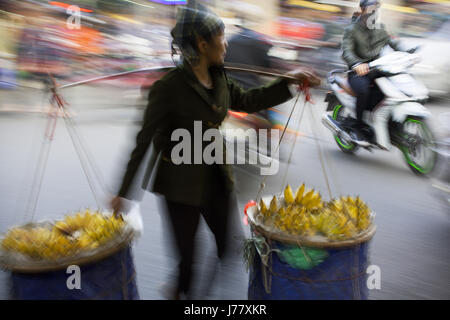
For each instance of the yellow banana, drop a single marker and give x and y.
(299, 194)
(307, 197)
(273, 205)
(288, 195)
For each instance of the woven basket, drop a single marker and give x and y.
(17, 262)
(316, 241)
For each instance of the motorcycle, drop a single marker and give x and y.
(440, 178)
(399, 120)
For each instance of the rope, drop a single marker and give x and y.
(101, 180)
(73, 135)
(327, 160)
(321, 157)
(267, 271)
(84, 164)
(355, 281)
(263, 183)
(57, 104)
(37, 180)
(293, 146)
(25, 180)
(267, 277)
(354, 276)
(82, 148)
(303, 88)
(42, 162)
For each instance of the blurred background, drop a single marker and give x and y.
(120, 35)
(113, 36)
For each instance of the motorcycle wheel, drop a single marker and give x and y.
(338, 115)
(419, 155)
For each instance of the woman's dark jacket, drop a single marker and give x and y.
(176, 101)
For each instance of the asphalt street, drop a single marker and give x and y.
(410, 245)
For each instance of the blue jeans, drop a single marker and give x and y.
(368, 95)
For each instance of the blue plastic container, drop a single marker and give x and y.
(113, 278)
(341, 276)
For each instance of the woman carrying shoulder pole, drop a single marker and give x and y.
(197, 91)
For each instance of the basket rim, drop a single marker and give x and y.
(12, 263)
(280, 236)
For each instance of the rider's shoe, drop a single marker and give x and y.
(362, 135)
(359, 139)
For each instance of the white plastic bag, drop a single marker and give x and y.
(134, 218)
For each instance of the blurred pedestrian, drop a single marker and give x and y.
(196, 90)
(247, 47)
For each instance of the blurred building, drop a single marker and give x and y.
(118, 35)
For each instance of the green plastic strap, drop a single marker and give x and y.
(302, 257)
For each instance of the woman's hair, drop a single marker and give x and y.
(193, 24)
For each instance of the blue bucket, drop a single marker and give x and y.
(113, 278)
(341, 276)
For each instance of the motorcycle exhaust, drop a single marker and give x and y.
(332, 125)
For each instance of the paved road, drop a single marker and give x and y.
(410, 245)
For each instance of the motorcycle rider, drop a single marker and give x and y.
(363, 42)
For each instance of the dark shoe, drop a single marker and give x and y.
(367, 132)
(362, 134)
(359, 138)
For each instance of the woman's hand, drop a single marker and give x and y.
(302, 74)
(117, 205)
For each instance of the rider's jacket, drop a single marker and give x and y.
(363, 41)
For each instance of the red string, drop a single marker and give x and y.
(60, 104)
(304, 87)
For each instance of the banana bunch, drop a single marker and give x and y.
(293, 214)
(306, 214)
(83, 231)
(37, 243)
(345, 217)
(311, 200)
